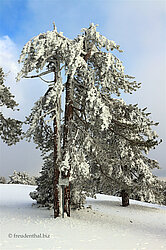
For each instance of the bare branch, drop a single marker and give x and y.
(45, 80)
(39, 75)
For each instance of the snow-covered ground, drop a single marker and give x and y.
(106, 226)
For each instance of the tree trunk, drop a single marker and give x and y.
(68, 118)
(57, 152)
(56, 173)
(125, 198)
(68, 111)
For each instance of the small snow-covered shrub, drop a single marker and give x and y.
(78, 198)
(2, 180)
(22, 178)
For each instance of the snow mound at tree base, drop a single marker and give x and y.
(102, 224)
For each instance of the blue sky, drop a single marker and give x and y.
(138, 26)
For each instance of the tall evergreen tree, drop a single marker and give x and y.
(99, 133)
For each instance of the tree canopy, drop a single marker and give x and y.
(99, 134)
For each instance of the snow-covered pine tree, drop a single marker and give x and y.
(10, 129)
(133, 176)
(126, 144)
(164, 191)
(22, 178)
(44, 191)
(92, 116)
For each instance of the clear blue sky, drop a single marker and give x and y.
(138, 26)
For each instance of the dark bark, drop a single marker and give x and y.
(68, 118)
(125, 198)
(68, 111)
(56, 173)
(56, 163)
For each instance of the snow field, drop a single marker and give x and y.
(102, 224)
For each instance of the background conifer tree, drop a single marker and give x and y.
(10, 129)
